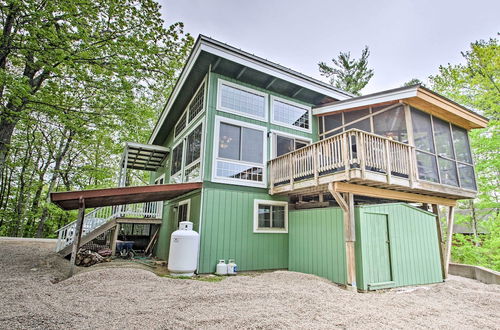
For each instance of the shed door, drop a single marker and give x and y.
(378, 259)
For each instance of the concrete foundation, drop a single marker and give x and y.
(481, 274)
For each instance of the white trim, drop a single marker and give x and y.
(178, 134)
(172, 160)
(215, 158)
(366, 101)
(230, 55)
(188, 213)
(203, 83)
(295, 104)
(256, 228)
(159, 178)
(274, 139)
(221, 82)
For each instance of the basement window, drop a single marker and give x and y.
(270, 216)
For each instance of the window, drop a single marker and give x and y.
(284, 144)
(160, 179)
(391, 124)
(177, 159)
(196, 105)
(241, 100)
(183, 209)
(181, 125)
(192, 161)
(270, 216)
(240, 152)
(291, 114)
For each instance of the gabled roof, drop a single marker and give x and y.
(416, 95)
(209, 53)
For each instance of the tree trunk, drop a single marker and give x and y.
(474, 222)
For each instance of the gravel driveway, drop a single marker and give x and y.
(32, 297)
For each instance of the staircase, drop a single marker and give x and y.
(105, 218)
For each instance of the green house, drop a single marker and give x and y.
(295, 174)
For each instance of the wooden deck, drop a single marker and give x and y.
(355, 157)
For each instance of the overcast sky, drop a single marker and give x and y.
(407, 39)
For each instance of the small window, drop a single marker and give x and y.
(177, 158)
(183, 209)
(160, 179)
(270, 216)
(181, 125)
(285, 144)
(291, 114)
(196, 105)
(193, 146)
(242, 100)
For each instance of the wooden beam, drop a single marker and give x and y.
(435, 210)
(270, 83)
(216, 64)
(449, 238)
(242, 71)
(115, 233)
(297, 92)
(78, 235)
(391, 194)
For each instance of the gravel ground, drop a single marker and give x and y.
(32, 296)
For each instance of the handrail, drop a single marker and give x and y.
(102, 215)
(353, 149)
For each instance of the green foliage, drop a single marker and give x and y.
(414, 81)
(348, 74)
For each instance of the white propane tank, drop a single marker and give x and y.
(221, 268)
(183, 255)
(231, 267)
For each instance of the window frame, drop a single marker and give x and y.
(257, 229)
(198, 115)
(188, 212)
(219, 107)
(216, 158)
(160, 178)
(172, 160)
(274, 140)
(295, 104)
(184, 167)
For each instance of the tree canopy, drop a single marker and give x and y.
(348, 74)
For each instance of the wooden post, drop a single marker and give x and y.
(435, 210)
(388, 169)
(347, 205)
(315, 164)
(77, 235)
(116, 231)
(451, 211)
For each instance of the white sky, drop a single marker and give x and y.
(407, 39)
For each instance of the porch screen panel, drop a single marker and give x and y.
(351, 116)
(391, 124)
(422, 130)
(442, 138)
(461, 142)
(427, 167)
(332, 122)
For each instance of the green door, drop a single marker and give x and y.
(379, 255)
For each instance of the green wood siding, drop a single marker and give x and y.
(169, 224)
(413, 245)
(227, 231)
(317, 243)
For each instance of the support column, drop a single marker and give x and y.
(435, 210)
(451, 212)
(78, 235)
(347, 205)
(114, 238)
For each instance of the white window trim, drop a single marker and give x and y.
(159, 178)
(184, 150)
(178, 134)
(172, 159)
(221, 82)
(274, 140)
(215, 178)
(295, 104)
(256, 228)
(188, 213)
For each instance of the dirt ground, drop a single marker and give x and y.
(32, 295)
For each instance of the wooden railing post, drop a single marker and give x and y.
(361, 155)
(410, 165)
(315, 164)
(271, 177)
(292, 168)
(388, 161)
(345, 153)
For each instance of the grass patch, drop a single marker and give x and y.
(196, 278)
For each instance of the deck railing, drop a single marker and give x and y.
(102, 215)
(353, 149)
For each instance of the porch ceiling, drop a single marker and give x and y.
(119, 196)
(147, 157)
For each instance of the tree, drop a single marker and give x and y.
(413, 81)
(348, 74)
(475, 84)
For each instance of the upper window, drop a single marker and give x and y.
(240, 152)
(196, 105)
(270, 216)
(181, 125)
(291, 114)
(241, 100)
(284, 144)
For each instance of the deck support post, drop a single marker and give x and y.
(77, 235)
(114, 238)
(435, 210)
(449, 238)
(347, 205)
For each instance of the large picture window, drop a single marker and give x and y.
(270, 216)
(290, 114)
(186, 164)
(241, 100)
(240, 152)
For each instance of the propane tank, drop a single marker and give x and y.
(221, 268)
(183, 256)
(231, 267)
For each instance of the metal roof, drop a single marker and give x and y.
(146, 157)
(119, 196)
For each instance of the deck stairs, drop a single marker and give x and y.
(102, 219)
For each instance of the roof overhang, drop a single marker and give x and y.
(208, 53)
(119, 196)
(420, 97)
(146, 157)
